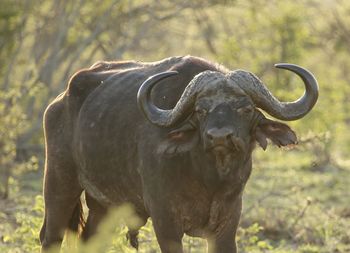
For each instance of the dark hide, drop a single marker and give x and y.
(98, 141)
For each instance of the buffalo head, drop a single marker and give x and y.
(220, 111)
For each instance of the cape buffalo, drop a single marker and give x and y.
(179, 152)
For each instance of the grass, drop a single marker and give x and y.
(289, 206)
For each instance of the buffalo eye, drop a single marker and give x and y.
(176, 135)
(201, 112)
(245, 110)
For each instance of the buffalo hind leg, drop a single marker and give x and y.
(61, 186)
(62, 204)
(132, 237)
(133, 232)
(96, 214)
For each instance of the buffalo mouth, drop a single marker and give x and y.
(226, 159)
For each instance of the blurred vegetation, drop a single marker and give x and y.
(296, 200)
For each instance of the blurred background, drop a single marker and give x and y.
(296, 200)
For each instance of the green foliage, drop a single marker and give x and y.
(28, 221)
(11, 125)
(297, 204)
(295, 201)
(249, 240)
(9, 25)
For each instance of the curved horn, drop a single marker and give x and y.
(263, 99)
(154, 114)
(167, 118)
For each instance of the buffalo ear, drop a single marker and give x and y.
(280, 134)
(179, 140)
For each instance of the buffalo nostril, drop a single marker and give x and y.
(219, 135)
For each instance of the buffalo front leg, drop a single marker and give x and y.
(223, 244)
(168, 232)
(225, 241)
